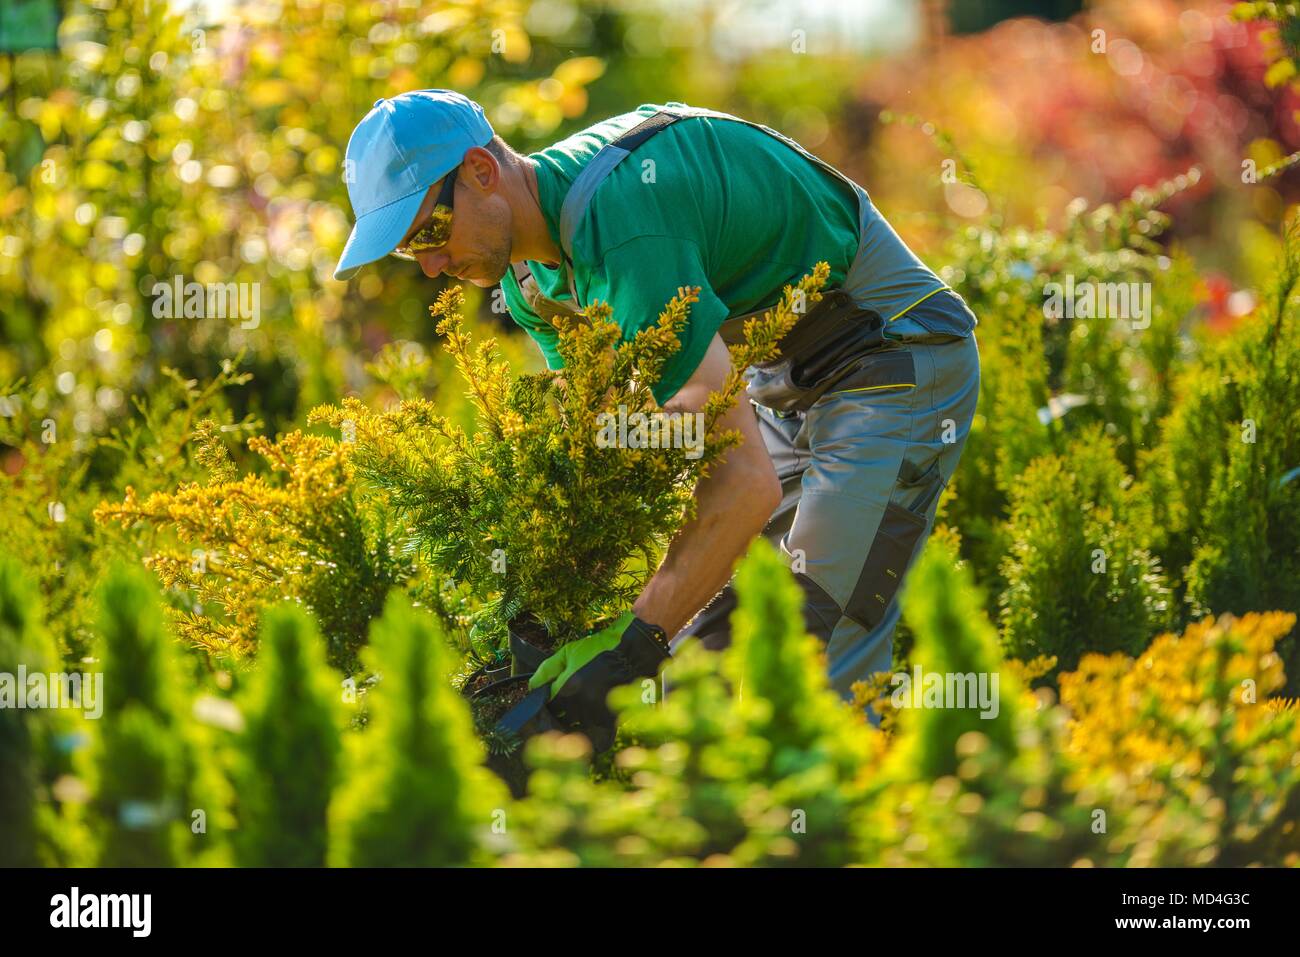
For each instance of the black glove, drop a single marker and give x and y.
(580, 702)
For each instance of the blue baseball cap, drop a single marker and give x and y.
(399, 149)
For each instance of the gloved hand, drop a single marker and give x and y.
(583, 672)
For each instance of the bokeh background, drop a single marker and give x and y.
(206, 139)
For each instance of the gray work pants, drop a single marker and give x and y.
(861, 472)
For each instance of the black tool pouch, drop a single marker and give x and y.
(819, 352)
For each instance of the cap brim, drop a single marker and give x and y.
(377, 234)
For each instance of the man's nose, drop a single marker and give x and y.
(433, 263)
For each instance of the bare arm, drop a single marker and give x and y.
(732, 505)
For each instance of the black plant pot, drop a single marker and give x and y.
(530, 644)
(530, 716)
(484, 676)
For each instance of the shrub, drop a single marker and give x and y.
(145, 776)
(536, 511)
(62, 474)
(1205, 418)
(1045, 379)
(960, 785)
(817, 753)
(1080, 574)
(47, 529)
(1224, 476)
(417, 794)
(675, 799)
(750, 758)
(23, 642)
(1191, 745)
(288, 761)
(299, 533)
(1252, 509)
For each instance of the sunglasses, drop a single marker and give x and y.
(437, 228)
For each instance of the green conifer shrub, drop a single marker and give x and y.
(23, 641)
(1006, 434)
(677, 792)
(1031, 362)
(1205, 418)
(1224, 478)
(289, 755)
(817, 752)
(1248, 556)
(1080, 573)
(145, 776)
(48, 526)
(415, 792)
(962, 784)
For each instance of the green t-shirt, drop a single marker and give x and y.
(705, 202)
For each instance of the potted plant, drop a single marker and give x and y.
(484, 674)
(530, 643)
(551, 517)
(506, 713)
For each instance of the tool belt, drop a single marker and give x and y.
(828, 348)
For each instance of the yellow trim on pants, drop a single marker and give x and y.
(872, 388)
(917, 303)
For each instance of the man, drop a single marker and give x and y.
(847, 444)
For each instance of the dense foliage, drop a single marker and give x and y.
(284, 604)
(1182, 756)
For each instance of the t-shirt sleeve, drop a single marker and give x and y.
(639, 277)
(541, 331)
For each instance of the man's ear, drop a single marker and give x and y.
(480, 170)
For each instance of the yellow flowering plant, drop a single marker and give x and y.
(299, 531)
(1189, 738)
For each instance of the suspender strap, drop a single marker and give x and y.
(645, 129)
(601, 165)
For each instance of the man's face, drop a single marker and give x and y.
(478, 249)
